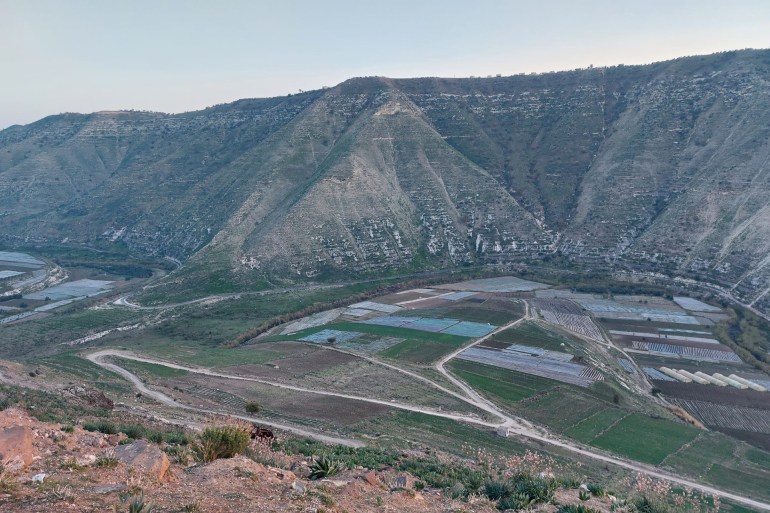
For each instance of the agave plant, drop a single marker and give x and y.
(324, 466)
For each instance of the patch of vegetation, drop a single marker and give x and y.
(223, 441)
(47, 407)
(748, 335)
(502, 385)
(419, 351)
(325, 466)
(587, 429)
(645, 439)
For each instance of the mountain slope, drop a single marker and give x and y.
(658, 167)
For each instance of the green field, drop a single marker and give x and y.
(531, 334)
(645, 439)
(752, 483)
(499, 385)
(562, 408)
(590, 427)
(701, 454)
(208, 356)
(419, 351)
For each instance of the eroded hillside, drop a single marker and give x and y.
(661, 167)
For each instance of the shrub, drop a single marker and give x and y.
(646, 504)
(69, 428)
(597, 490)
(495, 490)
(584, 495)
(102, 426)
(324, 466)
(252, 407)
(134, 431)
(137, 505)
(177, 438)
(107, 460)
(536, 488)
(515, 502)
(456, 491)
(223, 441)
(576, 508)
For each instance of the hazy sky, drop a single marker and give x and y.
(177, 55)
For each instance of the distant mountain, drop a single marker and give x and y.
(657, 167)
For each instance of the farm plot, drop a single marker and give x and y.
(645, 439)
(311, 321)
(502, 284)
(376, 307)
(727, 416)
(20, 260)
(530, 334)
(667, 336)
(560, 409)
(449, 326)
(590, 427)
(504, 385)
(538, 365)
(77, 288)
(714, 394)
(492, 311)
(421, 351)
(329, 336)
(694, 305)
(369, 344)
(569, 315)
(324, 412)
(656, 375)
(692, 353)
(627, 365)
(697, 458)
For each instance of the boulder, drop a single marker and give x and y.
(144, 456)
(16, 447)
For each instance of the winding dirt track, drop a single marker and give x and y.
(515, 426)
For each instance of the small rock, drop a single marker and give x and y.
(371, 478)
(86, 460)
(298, 487)
(38, 478)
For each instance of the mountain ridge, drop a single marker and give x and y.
(658, 167)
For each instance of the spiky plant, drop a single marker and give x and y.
(324, 466)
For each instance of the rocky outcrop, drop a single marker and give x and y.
(145, 457)
(15, 446)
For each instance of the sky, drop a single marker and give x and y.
(180, 55)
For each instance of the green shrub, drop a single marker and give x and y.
(536, 488)
(135, 431)
(576, 508)
(137, 505)
(252, 407)
(101, 426)
(69, 428)
(177, 438)
(456, 491)
(515, 502)
(597, 490)
(324, 466)
(646, 504)
(495, 490)
(223, 442)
